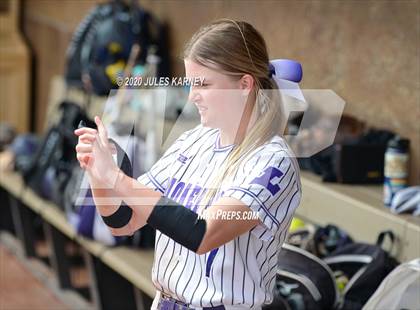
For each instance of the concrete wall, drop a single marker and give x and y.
(366, 51)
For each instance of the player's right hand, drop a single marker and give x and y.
(87, 137)
(94, 152)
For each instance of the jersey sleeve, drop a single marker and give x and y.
(157, 177)
(269, 183)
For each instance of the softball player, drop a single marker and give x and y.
(234, 162)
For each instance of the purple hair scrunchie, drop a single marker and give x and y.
(286, 69)
(287, 74)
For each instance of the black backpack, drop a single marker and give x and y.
(306, 282)
(319, 240)
(365, 266)
(303, 282)
(328, 238)
(50, 168)
(333, 165)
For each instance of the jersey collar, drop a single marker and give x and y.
(219, 148)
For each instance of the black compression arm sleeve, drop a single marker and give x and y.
(177, 222)
(119, 218)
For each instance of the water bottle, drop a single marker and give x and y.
(396, 167)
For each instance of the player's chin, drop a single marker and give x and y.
(208, 123)
(204, 121)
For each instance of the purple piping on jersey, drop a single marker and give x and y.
(219, 148)
(155, 183)
(257, 199)
(210, 260)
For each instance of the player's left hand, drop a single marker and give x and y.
(95, 155)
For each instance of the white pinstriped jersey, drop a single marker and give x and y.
(241, 273)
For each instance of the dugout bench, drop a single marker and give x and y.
(120, 277)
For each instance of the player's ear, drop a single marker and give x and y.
(246, 84)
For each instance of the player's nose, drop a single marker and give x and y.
(193, 95)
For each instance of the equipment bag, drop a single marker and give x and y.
(304, 281)
(101, 45)
(399, 290)
(50, 168)
(365, 266)
(319, 240)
